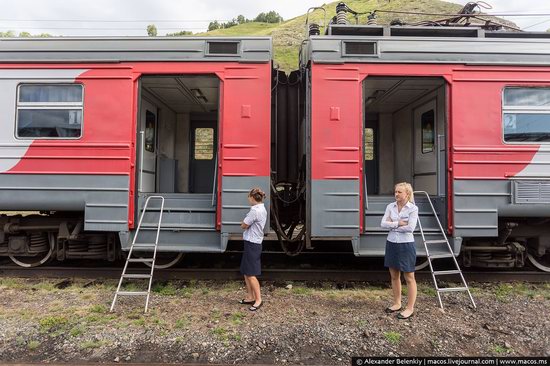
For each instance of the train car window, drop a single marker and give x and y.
(526, 115)
(50, 111)
(427, 121)
(204, 144)
(369, 144)
(150, 130)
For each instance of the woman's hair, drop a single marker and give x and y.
(408, 189)
(257, 194)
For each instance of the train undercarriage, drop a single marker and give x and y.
(40, 238)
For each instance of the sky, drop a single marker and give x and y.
(131, 17)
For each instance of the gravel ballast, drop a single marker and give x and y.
(326, 323)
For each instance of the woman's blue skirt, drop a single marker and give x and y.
(401, 256)
(250, 263)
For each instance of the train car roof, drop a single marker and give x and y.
(120, 49)
(472, 45)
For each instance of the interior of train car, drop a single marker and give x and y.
(404, 139)
(177, 149)
(179, 121)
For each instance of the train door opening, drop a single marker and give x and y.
(177, 154)
(404, 133)
(178, 134)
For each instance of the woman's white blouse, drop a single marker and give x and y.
(400, 234)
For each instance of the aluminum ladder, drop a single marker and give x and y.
(450, 254)
(149, 261)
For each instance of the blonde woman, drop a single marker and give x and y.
(400, 218)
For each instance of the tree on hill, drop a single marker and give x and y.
(241, 19)
(178, 34)
(213, 25)
(152, 30)
(269, 17)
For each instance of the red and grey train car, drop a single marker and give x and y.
(461, 113)
(92, 127)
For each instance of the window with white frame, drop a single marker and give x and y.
(526, 115)
(49, 111)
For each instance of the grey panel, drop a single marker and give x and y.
(103, 198)
(188, 224)
(374, 245)
(479, 203)
(167, 174)
(179, 241)
(373, 241)
(182, 211)
(377, 207)
(117, 49)
(322, 49)
(335, 208)
(235, 203)
(475, 206)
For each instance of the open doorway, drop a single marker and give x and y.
(178, 130)
(404, 130)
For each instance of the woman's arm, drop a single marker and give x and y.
(411, 224)
(248, 220)
(387, 222)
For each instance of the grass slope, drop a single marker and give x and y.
(288, 35)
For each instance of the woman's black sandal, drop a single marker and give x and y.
(244, 302)
(254, 308)
(400, 316)
(389, 310)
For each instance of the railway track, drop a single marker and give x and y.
(268, 274)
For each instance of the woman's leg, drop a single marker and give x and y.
(255, 285)
(249, 292)
(411, 293)
(396, 288)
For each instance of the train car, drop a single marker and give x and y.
(462, 113)
(92, 127)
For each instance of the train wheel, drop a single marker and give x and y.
(421, 263)
(542, 263)
(166, 260)
(34, 261)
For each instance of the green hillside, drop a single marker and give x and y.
(288, 35)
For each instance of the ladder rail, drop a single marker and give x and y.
(128, 259)
(424, 241)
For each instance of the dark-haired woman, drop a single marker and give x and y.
(253, 225)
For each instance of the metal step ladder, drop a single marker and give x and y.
(454, 271)
(149, 261)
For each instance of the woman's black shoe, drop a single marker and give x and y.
(389, 310)
(400, 316)
(254, 308)
(244, 302)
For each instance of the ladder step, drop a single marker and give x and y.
(450, 272)
(140, 260)
(452, 289)
(132, 293)
(144, 245)
(136, 275)
(442, 241)
(439, 256)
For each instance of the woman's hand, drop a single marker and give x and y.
(403, 223)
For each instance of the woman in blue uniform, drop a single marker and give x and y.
(253, 225)
(400, 218)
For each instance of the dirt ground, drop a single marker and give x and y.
(325, 323)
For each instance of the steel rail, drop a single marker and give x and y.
(215, 274)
